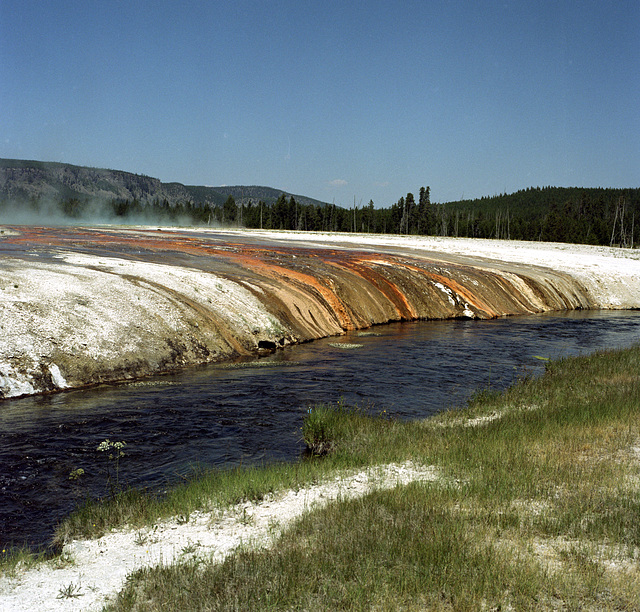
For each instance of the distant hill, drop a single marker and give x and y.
(24, 180)
(243, 194)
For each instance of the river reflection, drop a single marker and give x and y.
(251, 411)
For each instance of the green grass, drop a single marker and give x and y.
(545, 513)
(206, 490)
(537, 507)
(348, 429)
(13, 558)
(394, 549)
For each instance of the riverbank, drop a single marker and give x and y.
(526, 499)
(84, 306)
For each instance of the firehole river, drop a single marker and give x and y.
(251, 411)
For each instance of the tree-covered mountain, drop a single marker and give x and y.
(26, 181)
(22, 180)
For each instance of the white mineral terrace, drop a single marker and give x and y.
(611, 274)
(76, 317)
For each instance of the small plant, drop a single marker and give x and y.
(190, 548)
(115, 454)
(140, 539)
(63, 560)
(274, 527)
(71, 590)
(321, 425)
(246, 519)
(76, 474)
(316, 430)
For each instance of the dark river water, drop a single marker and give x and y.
(250, 412)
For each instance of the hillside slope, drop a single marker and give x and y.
(24, 180)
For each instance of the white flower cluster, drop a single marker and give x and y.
(107, 445)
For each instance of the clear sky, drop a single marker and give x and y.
(333, 99)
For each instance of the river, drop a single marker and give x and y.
(251, 411)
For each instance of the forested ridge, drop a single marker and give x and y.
(44, 192)
(557, 214)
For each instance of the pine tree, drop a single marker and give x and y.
(229, 210)
(424, 212)
(410, 206)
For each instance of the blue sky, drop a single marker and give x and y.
(335, 99)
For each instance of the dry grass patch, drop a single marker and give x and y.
(620, 379)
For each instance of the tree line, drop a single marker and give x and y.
(287, 214)
(606, 217)
(580, 215)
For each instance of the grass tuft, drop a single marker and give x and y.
(17, 559)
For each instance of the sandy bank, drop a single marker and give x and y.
(97, 569)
